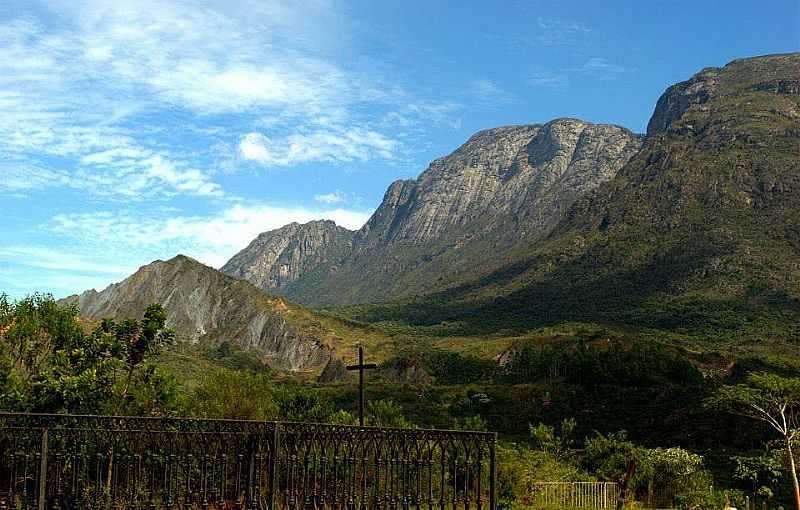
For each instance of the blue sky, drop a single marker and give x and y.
(134, 132)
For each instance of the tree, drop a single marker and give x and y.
(54, 366)
(769, 398)
(299, 404)
(609, 457)
(558, 444)
(761, 473)
(104, 371)
(233, 394)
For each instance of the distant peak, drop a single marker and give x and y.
(182, 258)
(178, 260)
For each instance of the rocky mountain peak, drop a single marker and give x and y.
(697, 234)
(678, 98)
(278, 257)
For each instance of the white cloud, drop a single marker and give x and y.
(334, 197)
(548, 79)
(49, 258)
(600, 66)
(132, 179)
(557, 32)
(60, 270)
(336, 146)
(21, 176)
(87, 82)
(190, 180)
(489, 91)
(212, 239)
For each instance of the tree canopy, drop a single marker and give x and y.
(54, 365)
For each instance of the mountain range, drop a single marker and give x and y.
(698, 233)
(692, 229)
(502, 190)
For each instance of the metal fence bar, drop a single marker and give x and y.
(95, 462)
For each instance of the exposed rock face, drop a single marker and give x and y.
(277, 258)
(406, 372)
(678, 98)
(204, 305)
(514, 173)
(500, 191)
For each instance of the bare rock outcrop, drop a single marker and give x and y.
(277, 258)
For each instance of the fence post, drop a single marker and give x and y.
(273, 467)
(43, 471)
(492, 473)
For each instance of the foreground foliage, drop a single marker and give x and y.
(54, 366)
(774, 400)
(560, 409)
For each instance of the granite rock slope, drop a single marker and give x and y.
(698, 233)
(275, 259)
(468, 212)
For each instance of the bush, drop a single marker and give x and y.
(56, 367)
(231, 394)
(385, 413)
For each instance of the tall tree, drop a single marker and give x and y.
(772, 399)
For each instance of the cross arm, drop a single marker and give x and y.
(365, 366)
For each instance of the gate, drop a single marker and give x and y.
(95, 462)
(595, 495)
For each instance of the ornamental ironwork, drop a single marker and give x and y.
(122, 463)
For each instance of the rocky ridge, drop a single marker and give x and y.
(467, 213)
(698, 233)
(208, 307)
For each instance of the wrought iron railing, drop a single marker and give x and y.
(95, 462)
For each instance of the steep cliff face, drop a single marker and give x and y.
(277, 258)
(697, 90)
(204, 305)
(698, 232)
(468, 212)
(518, 174)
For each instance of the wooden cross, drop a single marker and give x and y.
(361, 367)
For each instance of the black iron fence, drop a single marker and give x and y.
(96, 462)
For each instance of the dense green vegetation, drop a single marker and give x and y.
(579, 408)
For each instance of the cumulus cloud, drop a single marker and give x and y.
(87, 82)
(133, 106)
(336, 146)
(129, 178)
